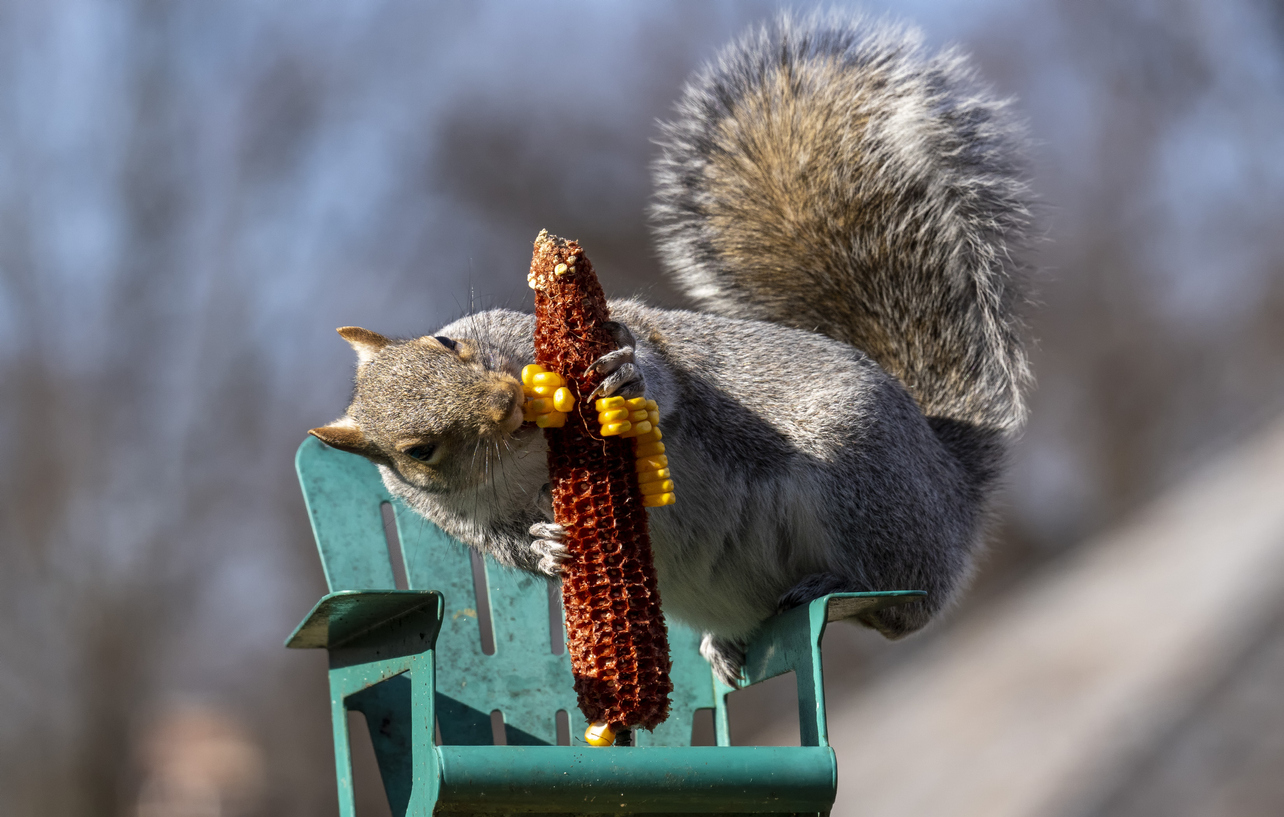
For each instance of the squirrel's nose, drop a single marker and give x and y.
(505, 403)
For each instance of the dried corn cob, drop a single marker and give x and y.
(615, 634)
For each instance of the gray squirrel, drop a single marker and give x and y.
(843, 209)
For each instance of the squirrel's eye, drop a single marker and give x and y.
(423, 453)
(445, 341)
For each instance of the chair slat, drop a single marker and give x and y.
(535, 683)
(692, 689)
(343, 494)
(436, 561)
(523, 679)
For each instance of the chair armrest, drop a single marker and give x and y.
(380, 645)
(342, 617)
(790, 641)
(793, 637)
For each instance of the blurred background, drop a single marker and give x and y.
(194, 195)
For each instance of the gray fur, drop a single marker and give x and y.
(805, 463)
(912, 203)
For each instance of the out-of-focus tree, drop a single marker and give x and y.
(1164, 299)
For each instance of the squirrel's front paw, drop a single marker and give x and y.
(725, 657)
(548, 546)
(623, 377)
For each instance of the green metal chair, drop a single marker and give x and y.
(412, 659)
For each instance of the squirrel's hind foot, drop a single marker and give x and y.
(815, 586)
(891, 623)
(725, 657)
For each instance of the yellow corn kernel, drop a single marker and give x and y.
(545, 391)
(554, 419)
(539, 405)
(658, 500)
(640, 427)
(636, 403)
(609, 403)
(529, 371)
(560, 269)
(652, 476)
(548, 379)
(635, 416)
(660, 486)
(563, 400)
(654, 417)
(652, 436)
(599, 734)
(652, 463)
(615, 429)
(651, 405)
(613, 416)
(649, 449)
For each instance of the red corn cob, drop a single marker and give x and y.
(615, 634)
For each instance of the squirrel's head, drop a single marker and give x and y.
(431, 408)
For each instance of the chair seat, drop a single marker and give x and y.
(746, 779)
(409, 660)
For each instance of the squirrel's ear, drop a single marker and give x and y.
(345, 435)
(364, 342)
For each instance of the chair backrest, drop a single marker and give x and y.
(523, 679)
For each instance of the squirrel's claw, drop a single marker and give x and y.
(623, 377)
(548, 530)
(611, 361)
(724, 657)
(548, 546)
(626, 381)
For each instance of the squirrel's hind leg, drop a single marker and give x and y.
(816, 585)
(725, 656)
(893, 622)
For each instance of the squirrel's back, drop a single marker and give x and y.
(827, 175)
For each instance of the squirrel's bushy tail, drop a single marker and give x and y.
(827, 175)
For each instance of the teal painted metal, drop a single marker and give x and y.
(343, 494)
(409, 658)
(504, 779)
(342, 617)
(384, 670)
(790, 642)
